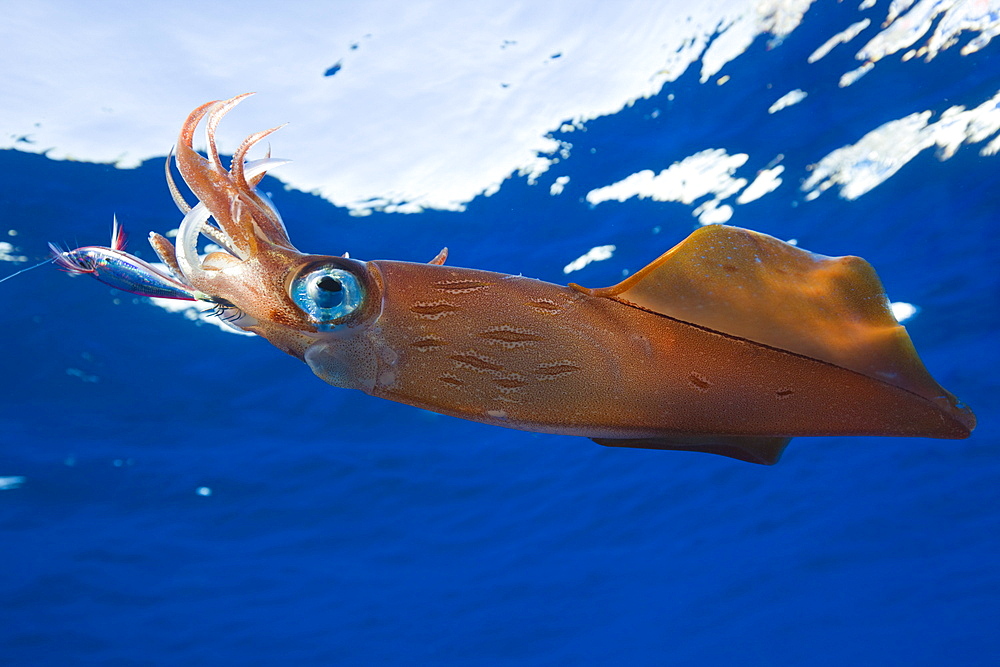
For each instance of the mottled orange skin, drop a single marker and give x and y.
(531, 355)
(730, 343)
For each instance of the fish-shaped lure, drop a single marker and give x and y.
(115, 267)
(731, 343)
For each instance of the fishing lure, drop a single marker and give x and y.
(731, 343)
(116, 268)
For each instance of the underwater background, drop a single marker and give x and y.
(174, 494)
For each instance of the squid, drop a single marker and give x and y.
(731, 343)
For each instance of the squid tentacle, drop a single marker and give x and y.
(215, 115)
(239, 157)
(255, 218)
(195, 224)
(175, 192)
(164, 249)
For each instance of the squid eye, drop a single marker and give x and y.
(327, 295)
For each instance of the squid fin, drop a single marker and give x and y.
(763, 450)
(440, 258)
(753, 286)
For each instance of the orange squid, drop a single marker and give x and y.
(731, 343)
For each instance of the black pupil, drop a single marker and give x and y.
(328, 284)
(326, 291)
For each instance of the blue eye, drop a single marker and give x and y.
(327, 295)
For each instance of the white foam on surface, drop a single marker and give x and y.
(557, 186)
(433, 102)
(738, 31)
(708, 173)
(842, 37)
(597, 254)
(767, 181)
(787, 100)
(849, 78)
(427, 104)
(858, 168)
(907, 24)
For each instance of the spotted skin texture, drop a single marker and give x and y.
(730, 343)
(583, 365)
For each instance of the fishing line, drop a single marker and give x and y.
(6, 278)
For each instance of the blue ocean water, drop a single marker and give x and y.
(335, 528)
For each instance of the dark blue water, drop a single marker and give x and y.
(342, 529)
